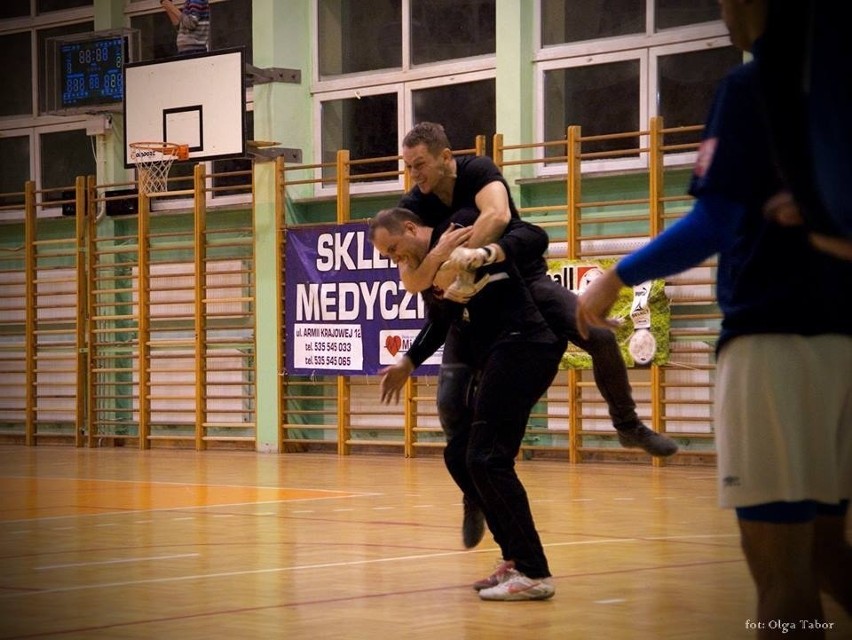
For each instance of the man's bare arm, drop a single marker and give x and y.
(420, 279)
(494, 214)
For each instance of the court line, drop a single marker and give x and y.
(186, 508)
(121, 561)
(329, 565)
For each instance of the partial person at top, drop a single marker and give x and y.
(193, 25)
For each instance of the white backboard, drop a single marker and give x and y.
(198, 100)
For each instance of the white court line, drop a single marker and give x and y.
(610, 601)
(121, 561)
(327, 565)
(185, 508)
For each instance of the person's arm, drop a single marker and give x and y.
(520, 243)
(494, 214)
(420, 279)
(431, 336)
(172, 11)
(708, 228)
(492, 201)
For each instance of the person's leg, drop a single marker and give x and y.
(558, 305)
(456, 380)
(513, 378)
(784, 445)
(833, 554)
(778, 541)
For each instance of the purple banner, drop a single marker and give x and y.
(346, 311)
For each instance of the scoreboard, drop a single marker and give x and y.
(92, 72)
(86, 71)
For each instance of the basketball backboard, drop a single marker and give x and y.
(197, 100)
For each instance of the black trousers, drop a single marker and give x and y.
(558, 305)
(490, 408)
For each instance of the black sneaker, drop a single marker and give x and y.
(641, 437)
(473, 525)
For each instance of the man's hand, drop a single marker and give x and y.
(393, 379)
(596, 302)
(471, 259)
(452, 238)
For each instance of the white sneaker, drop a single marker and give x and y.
(500, 574)
(517, 586)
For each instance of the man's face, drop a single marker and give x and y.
(426, 169)
(408, 247)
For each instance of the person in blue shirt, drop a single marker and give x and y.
(783, 404)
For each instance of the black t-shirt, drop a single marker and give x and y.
(472, 174)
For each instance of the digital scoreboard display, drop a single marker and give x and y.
(92, 72)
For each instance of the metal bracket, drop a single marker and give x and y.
(256, 75)
(262, 150)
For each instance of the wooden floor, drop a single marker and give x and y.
(118, 543)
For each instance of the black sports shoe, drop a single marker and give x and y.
(641, 437)
(473, 525)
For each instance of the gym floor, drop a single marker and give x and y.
(122, 543)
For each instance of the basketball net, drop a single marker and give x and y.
(153, 161)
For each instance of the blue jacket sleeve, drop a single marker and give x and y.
(710, 227)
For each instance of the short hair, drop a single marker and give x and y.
(429, 133)
(393, 220)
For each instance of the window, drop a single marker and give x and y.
(14, 168)
(451, 29)
(14, 9)
(676, 13)
(45, 6)
(572, 21)
(359, 35)
(611, 65)
(16, 75)
(386, 64)
(441, 104)
(688, 81)
(64, 156)
(366, 126)
(601, 98)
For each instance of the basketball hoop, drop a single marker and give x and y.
(153, 161)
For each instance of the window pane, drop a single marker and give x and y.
(43, 6)
(687, 82)
(677, 13)
(64, 156)
(14, 9)
(14, 168)
(230, 26)
(367, 127)
(16, 75)
(44, 34)
(601, 98)
(449, 29)
(235, 164)
(157, 37)
(359, 35)
(441, 104)
(565, 21)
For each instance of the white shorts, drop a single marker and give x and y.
(783, 416)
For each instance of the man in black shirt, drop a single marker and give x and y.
(514, 356)
(445, 184)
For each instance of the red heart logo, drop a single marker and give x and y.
(393, 344)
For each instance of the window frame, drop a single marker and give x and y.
(647, 47)
(402, 81)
